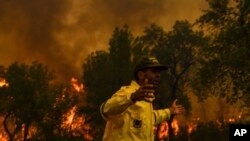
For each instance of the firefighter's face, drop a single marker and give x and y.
(152, 74)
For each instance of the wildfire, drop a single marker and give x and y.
(3, 137)
(240, 115)
(78, 87)
(75, 123)
(3, 83)
(191, 127)
(163, 131)
(175, 126)
(71, 113)
(70, 116)
(164, 128)
(230, 120)
(233, 119)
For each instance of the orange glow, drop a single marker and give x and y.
(235, 119)
(175, 126)
(88, 137)
(69, 117)
(76, 125)
(3, 83)
(163, 131)
(240, 115)
(3, 137)
(231, 120)
(78, 87)
(191, 127)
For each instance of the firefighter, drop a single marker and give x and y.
(129, 113)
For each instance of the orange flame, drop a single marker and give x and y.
(3, 137)
(191, 127)
(78, 87)
(163, 131)
(88, 137)
(3, 83)
(240, 115)
(175, 126)
(70, 116)
(75, 123)
(231, 120)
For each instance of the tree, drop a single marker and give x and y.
(104, 72)
(177, 49)
(62, 98)
(97, 78)
(27, 97)
(120, 46)
(110, 69)
(224, 63)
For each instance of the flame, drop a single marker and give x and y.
(2, 138)
(78, 87)
(3, 83)
(88, 137)
(231, 120)
(163, 131)
(164, 128)
(192, 124)
(70, 116)
(76, 125)
(175, 126)
(234, 119)
(191, 127)
(240, 115)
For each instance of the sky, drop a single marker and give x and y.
(62, 33)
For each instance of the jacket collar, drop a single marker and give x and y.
(134, 84)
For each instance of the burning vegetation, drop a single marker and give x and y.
(3, 83)
(75, 124)
(33, 109)
(72, 123)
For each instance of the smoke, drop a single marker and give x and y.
(27, 31)
(61, 33)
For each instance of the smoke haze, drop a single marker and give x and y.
(61, 33)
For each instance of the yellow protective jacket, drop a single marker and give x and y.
(128, 121)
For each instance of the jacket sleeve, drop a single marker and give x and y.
(117, 104)
(161, 115)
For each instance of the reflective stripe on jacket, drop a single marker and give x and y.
(128, 121)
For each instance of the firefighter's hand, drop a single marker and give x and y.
(145, 92)
(176, 109)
